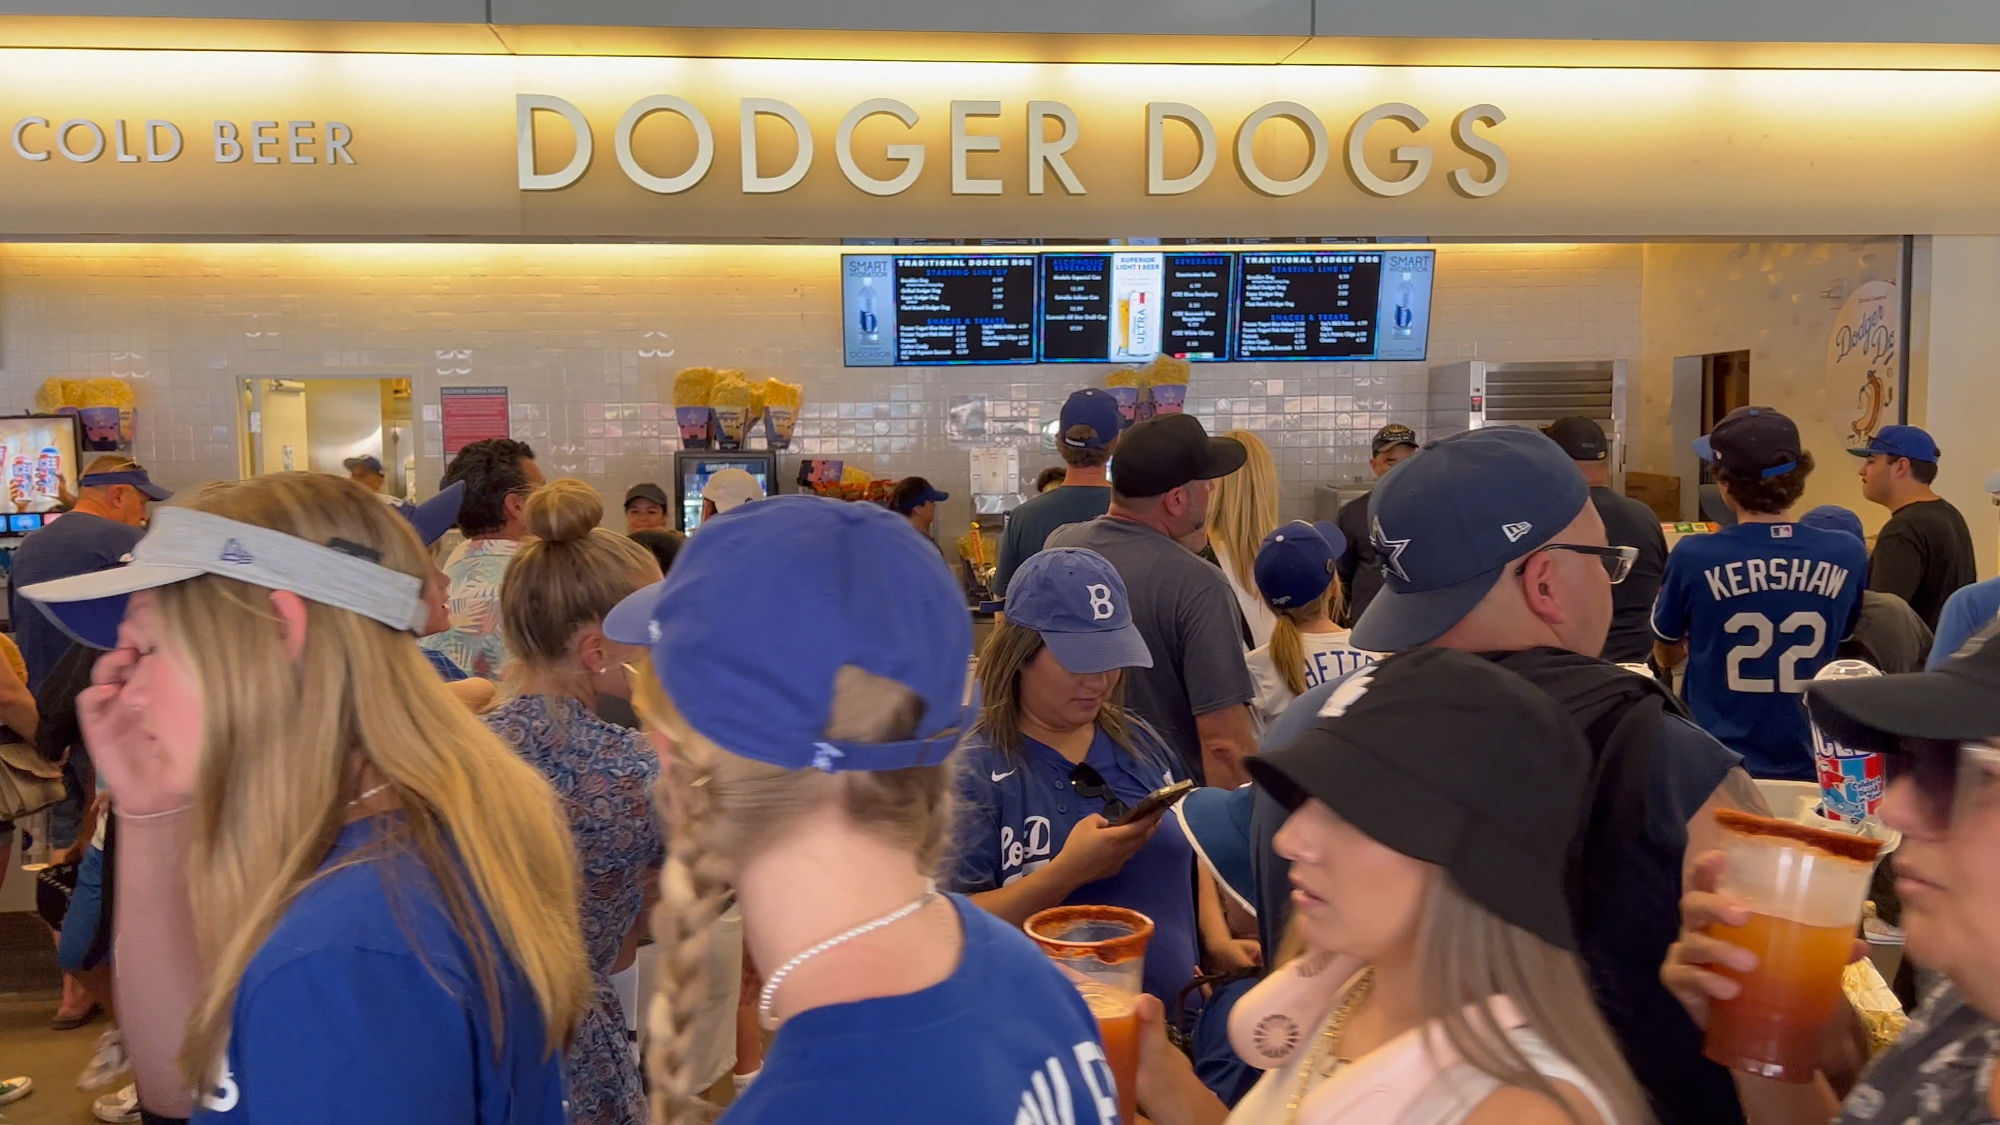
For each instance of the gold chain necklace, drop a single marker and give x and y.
(1324, 1057)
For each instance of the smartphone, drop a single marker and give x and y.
(1161, 798)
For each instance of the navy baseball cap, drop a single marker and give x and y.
(1752, 441)
(856, 580)
(134, 476)
(1447, 522)
(913, 493)
(1076, 601)
(1901, 441)
(1217, 823)
(372, 464)
(1295, 563)
(1092, 408)
(437, 515)
(1833, 517)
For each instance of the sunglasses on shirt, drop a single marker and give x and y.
(1089, 783)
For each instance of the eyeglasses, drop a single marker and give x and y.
(1617, 560)
(1089, 783)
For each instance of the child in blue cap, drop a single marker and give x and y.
(806, 685)
(1295, 574)
(1056, 761)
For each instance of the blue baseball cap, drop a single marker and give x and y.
(1092, 408)
(1445, 523)
(1295, 563)
(1217, 823)
(372, 464)
(437, 515)
(1752, 441)
(1833, 517)
(856, 581)
(134, 476)
(1076, 601)
(1901, 441)
(914, 492)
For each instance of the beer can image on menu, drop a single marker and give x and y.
(1851, 781)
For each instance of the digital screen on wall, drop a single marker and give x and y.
(1333, 305)
(38, 456)
(1121, 307)
(926, 310)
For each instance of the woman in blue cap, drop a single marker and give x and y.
(1056, 762)
(1295, 575)
(806, 686)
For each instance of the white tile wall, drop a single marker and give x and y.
(587, 339)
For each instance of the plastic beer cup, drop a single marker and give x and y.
(1804, 888)
(1102, 949)
(1851, 781)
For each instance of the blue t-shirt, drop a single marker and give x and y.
(78, 543)
(1967, 611)
(1763, 607)
(364, 1004)
(1005, 1039)
(1015, 815)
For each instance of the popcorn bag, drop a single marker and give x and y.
(781, 412)
(730, 399)
(693, 388)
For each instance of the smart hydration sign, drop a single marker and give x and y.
(1119, 306)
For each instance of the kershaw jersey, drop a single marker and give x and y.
(1763, 607)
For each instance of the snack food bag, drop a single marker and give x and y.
(692, 388)
(781, 412)
(730, 400)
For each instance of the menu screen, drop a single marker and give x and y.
(1130, 307)
(1333, 304)
(927, 310)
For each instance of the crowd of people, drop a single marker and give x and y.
(392, 792)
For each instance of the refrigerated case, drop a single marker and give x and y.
(693, 467)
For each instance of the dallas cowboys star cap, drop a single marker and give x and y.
(1445, 524)
(762, 610)
(183, 543)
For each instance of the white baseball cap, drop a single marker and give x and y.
(731, 488)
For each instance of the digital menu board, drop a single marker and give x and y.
(1129, 307)
(1333, 304)
(928, 310)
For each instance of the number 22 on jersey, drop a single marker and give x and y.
(1745, 662)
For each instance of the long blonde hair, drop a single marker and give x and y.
(1466, 955)
(722, 807)
(284, 739)
(1288, 644)
(1245, 509)
(569, 575)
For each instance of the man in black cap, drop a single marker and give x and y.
(1490, 544)
(1359, 568)
(1627, 523)
(645, 508)
(1197, 692)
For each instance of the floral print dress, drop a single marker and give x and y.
(605, 776)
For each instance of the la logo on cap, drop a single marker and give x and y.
(234, 552)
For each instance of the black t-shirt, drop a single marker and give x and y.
(1360, 568)
(1628, 523)
(1922, 556)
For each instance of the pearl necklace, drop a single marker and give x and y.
(770, 990)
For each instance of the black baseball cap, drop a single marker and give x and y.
(647, 491)
(1959, 702)
(1391, 436)
(1170, 451)
(1451, 759)
(1752, 441)
(1579, 437)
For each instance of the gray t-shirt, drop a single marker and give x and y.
(1187, 614)
(1937, 1073)
(1029, 526)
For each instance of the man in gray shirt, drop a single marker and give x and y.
(1197, 692)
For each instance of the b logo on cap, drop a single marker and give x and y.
(1101, 608)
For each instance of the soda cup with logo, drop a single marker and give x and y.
(1851, 781)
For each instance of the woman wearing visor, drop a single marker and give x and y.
(340, 898)
(1941, 732)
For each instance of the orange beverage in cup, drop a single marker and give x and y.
(1102, 949)
(1804, 888)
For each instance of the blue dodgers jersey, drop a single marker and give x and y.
(340, 1019)
(1004, 1040)
(1763, 606)
(1015, 815)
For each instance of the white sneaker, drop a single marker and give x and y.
(120, 1108)
(109, 1066)
(14, 1089)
